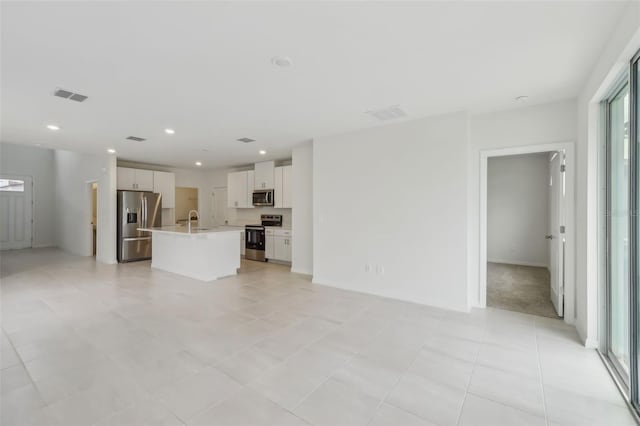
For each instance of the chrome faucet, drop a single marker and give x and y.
(189, 216)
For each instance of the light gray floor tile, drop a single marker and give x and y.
(508, 388)
(193, 394)
(433, 401)
(388, 415)
(483, 412)
(87, 343)
(335, 403)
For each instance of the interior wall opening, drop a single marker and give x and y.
(186, 200)
(525, 240)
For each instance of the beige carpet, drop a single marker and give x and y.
(519, 288)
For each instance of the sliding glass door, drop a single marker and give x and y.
(618, 223)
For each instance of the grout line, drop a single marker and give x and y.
(473, 369)
(544, 399)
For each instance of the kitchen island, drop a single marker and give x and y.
(204, 254)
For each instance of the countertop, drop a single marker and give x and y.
(184, 230)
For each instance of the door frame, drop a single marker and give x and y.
(89, 186)
(569, 260)
(33, 201)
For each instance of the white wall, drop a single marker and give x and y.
(302, 193)
(37, 163)
(74, 171)
(518, 209)
(613, 61)
(394, 197)
(534, 125)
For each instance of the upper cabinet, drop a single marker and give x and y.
(134, 179)
(264, 175)
(165, 184)
(282, 189)
(240, 189)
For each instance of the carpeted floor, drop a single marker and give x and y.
(520, 289)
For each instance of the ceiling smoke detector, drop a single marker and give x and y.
(135, 138)
(246, 140)
(385, 114)
(281, 61)
(66, 94)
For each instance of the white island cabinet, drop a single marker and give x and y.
(202, 254)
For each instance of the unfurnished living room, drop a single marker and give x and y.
(345, 213)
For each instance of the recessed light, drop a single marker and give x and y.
(281, 61)
(52, 127)
(111, 151)
(263, 152)
(169, 131)
(198, 163)
(522, 98)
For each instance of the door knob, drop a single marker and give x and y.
(549, 237)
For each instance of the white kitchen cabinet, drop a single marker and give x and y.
(134, 179)
(269, 247)
(282, 248)
(243, 243)
(165, 183)
(264, 175)
(144, 180)
(278, 245)
(126, 178)
(282, 190)
(239, 190)
(250, 188)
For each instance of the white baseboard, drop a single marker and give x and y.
(302, 271)
(518, 262)
(45, 245)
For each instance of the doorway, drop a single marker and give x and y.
(16, 212)
(524, 238)
(219, 207)
(186, 200)
(556, 239)
(94, 217)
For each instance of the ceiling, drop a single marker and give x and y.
(204, 69)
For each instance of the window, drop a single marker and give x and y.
(11, 185)
(618, 233)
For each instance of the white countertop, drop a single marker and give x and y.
(184, 230)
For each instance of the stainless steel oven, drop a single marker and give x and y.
(255, 242)
(263, 197)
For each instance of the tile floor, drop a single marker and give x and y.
(87, 344)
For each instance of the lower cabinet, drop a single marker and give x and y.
(278, 245)
(243, 244)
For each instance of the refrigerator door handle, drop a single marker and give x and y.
(136, 239)
(144, 212)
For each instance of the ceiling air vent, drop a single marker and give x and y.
(385, 114)
(135, 138)
(66, 94)
(246, 140)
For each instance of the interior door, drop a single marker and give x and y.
(555, 236)
(16, 201)
(219, 206)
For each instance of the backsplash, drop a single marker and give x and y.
(252, 216)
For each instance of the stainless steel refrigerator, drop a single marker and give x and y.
(137, 209)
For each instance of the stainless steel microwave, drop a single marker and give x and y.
(263, 197)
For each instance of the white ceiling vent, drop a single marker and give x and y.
(135, 138)
(390, 113)
(246, 140)
(66, 94)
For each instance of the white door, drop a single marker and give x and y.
(16, 201)
(556, 230)
(219, 206)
